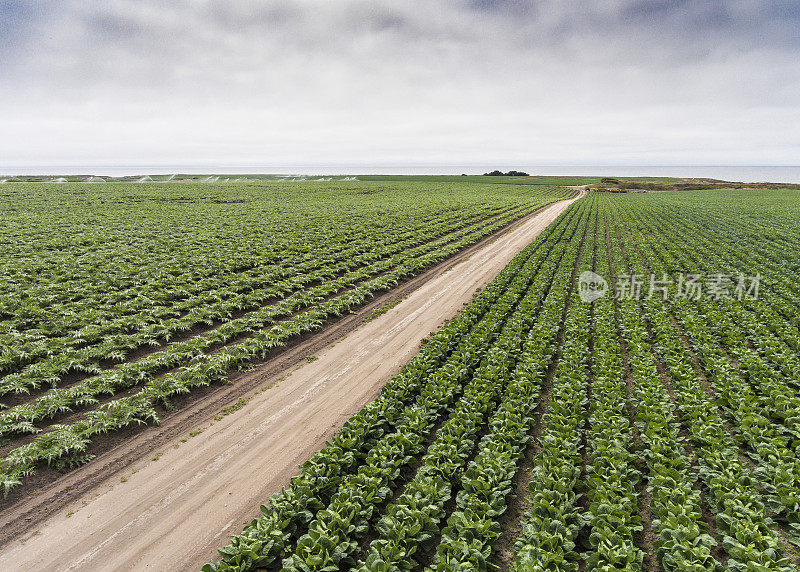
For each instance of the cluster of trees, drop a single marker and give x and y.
(509, 174)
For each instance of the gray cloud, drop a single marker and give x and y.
(370, 81)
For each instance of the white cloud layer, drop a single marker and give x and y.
(377, 81)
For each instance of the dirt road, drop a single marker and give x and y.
(171, 511)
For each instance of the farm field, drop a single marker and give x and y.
(115, 299)
(550, 427)
(623, 395)
(433, 286)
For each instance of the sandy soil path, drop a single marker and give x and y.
(172, 511)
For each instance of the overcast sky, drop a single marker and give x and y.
(399, 82)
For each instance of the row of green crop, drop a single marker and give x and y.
(588, 405)
(54, 360)
(740, 514)
(769, 323)
(112, 333)
(611, 477)
(57, 400)
(660, 404)
(683, 539)
(91, 319)
(756, 398)
(412, 524)
(68, 443)
(155, 248)
(550, 528)
(409, 527)
(762, 343)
